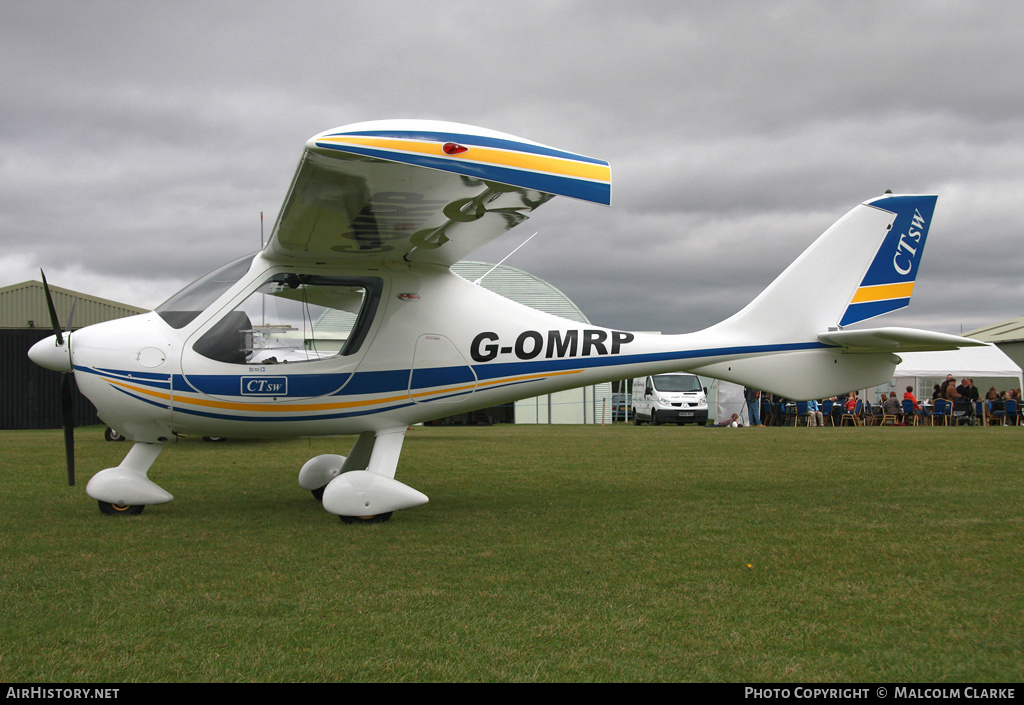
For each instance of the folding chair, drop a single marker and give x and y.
(910, 415)
(853, 416)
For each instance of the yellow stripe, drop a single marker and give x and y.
(140, 390)
(283, 407)
(487, 155)
(256, 407)
(883, 292)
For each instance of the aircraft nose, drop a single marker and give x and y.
(47, 353)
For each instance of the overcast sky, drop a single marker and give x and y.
(140, 141)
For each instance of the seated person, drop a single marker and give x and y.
(851, 401)
(850, 408)
(999, 403)
(837, 410)
(814, 416)
(733, 421)
(909, 394)
(892, 407)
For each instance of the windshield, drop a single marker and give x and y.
(677, 383)
(182, 308)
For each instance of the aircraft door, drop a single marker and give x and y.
(294, 337)
(439, 372)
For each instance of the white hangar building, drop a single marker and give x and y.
(583, 405)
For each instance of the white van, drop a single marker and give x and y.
(677, 398)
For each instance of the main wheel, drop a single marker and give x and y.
(112, 435)
(375, 519)
(121, 509)
(654, 417)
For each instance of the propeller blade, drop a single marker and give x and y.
(67, 410)
(53, 311)
(71, 315)
(67, 384)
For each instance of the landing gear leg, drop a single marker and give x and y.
(126, 489)
(365, 490)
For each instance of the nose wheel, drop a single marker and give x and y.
(375, 519)
(121, 509)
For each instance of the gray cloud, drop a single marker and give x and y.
(141, 141)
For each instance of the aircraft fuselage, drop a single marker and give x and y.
(437, 345)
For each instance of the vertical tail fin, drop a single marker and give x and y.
(861, 267)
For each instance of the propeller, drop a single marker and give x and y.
(67, 384)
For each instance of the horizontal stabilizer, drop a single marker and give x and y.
(873, 340)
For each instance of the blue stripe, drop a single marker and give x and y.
(299, 386)
(512, 369)
(377, 382)
(369, 383)
(147, 379)
(870, 309)
(441, 377)
(572, 187)
(473, 140)
(152, 402)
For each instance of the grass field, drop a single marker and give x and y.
(550, 553)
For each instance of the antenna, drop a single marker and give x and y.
(477, 282)
(263, 297)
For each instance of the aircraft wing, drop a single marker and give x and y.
(873, 340)
(420, 191)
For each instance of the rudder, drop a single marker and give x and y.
(889, 281)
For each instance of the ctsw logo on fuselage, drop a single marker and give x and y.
(264, 386)
(531, 344)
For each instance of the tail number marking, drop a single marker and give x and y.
(531, 344)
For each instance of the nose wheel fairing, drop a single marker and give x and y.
(127, 485)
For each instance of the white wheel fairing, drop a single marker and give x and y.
(360, 493)
(127, 484)
(319, 471)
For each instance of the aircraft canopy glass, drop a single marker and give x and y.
(182, 308)
(295, 318)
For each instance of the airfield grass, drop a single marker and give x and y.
(546, 553)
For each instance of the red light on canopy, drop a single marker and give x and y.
(453, 148)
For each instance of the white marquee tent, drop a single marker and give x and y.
(987, 365)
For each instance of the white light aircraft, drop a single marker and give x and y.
(350, 320)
